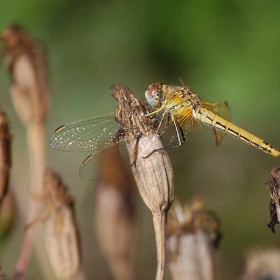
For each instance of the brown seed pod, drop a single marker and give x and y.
(61, 232)
(25, 60)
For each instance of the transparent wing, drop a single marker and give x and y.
(220, 108)
(194, 141)
(92, 134)
(88, 167)
(101, 162)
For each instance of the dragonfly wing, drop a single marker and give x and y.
(87, 168)
(91, 134)
(220, 108)
(103, 162)
(194, 140)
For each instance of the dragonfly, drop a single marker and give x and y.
(186, 111)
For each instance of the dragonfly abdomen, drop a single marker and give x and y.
(211, 119)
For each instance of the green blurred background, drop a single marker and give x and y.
(221, 49)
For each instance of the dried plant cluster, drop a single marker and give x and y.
(26, 62)
(192, 235)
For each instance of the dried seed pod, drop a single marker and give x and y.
(61, 231)
(25, 60)
(193, 236)
(114, 214)
(5, 154)
(273, 186)
(262, 264)
(151, 165)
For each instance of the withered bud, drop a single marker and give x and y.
(61, 231)
(262, 264)
(115, 215)
(273, 186)
(193, 236)
(151, 165)
(25, 60)
(5, 154)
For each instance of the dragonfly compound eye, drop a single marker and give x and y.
(152, 95)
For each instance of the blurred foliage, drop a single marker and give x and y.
(221, 49)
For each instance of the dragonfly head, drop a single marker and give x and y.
(154, 94)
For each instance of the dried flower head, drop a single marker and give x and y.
(61, 231)
(273, 186)
(188, 219)
(25, 60)
(193, 236)
(262, 264)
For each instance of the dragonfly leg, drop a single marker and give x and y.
(161, 121)
(181, 139)
(179, 131)
(135, 148)
(155, 112)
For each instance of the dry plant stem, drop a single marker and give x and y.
(36, 143)
(159, 220)
(25, 255)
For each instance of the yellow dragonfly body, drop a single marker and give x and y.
(186, 110)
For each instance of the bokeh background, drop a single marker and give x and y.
(224, 50)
